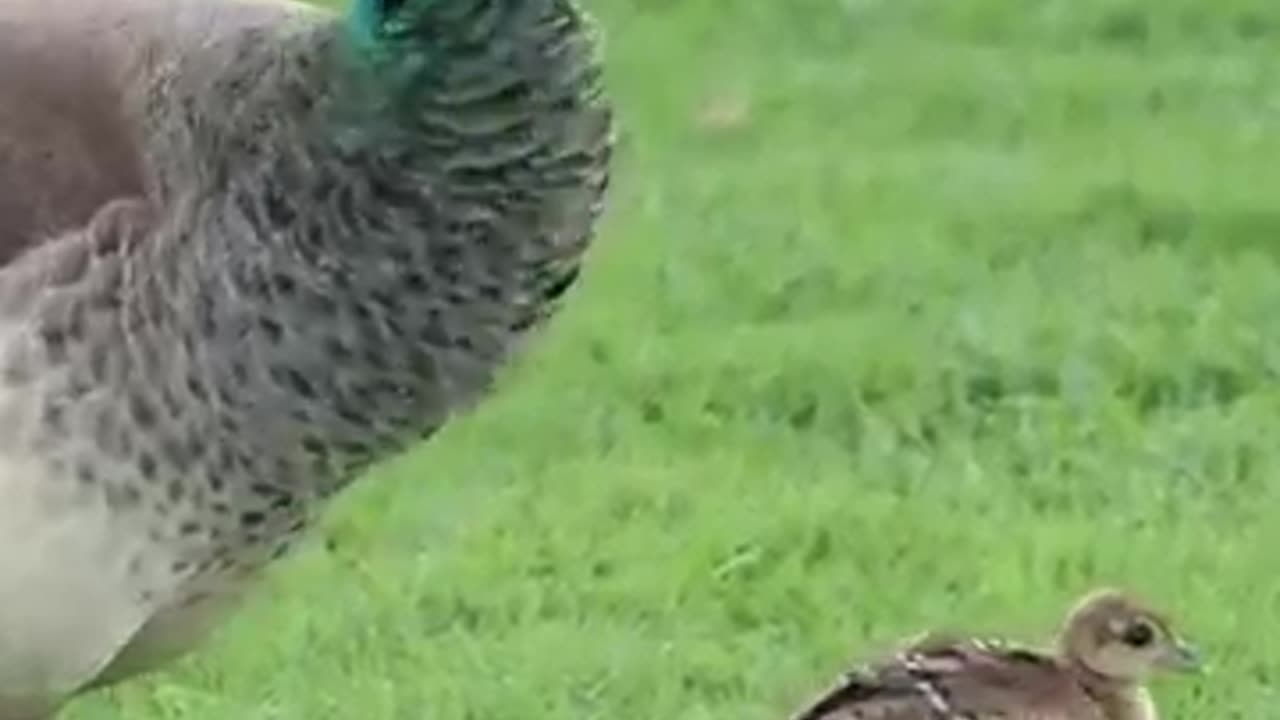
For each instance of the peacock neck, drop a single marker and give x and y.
(1118, 700)
(1133, 703)
(348, 250)
(365, 17)
(375, 244)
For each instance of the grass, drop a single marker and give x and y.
(907, 313)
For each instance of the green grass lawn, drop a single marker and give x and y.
(907, 313)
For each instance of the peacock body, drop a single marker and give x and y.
(249, 249)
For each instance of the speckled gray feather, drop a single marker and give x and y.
(296, 255)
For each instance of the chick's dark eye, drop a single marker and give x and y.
(1139, 634)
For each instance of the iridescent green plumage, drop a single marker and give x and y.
(366, 18)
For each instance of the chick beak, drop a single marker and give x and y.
(1181, 657)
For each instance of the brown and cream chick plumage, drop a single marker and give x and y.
(1108, 646)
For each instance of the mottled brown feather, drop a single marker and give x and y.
(945, 676)
(66, 148)
(971, 679)
(63, 149)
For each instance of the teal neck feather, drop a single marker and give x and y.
(395, 36)
(367, 18)
(374, 21)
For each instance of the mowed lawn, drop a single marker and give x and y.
(907, 313)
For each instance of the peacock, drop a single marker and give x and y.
(247, 249)
(1108, 647)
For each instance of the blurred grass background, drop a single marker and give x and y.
(907, 313)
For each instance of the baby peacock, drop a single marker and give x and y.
(1108, 646)
(247, 249)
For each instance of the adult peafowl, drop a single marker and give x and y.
(249, 248)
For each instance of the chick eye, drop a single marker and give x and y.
(1139, 634)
